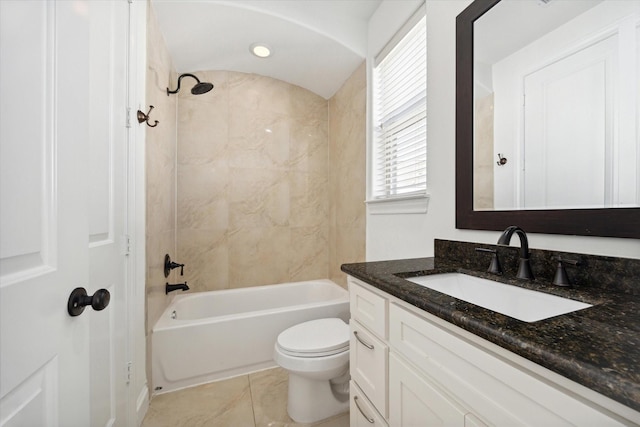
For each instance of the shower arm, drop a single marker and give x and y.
(169, 92)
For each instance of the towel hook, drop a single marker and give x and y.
(142, 117)
(501, 160)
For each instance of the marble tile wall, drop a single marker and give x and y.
(347, 174)
(160, 175)
(252, 184)
(485, 158)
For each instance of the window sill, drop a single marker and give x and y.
(402, 205)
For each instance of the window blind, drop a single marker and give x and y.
(400, 115)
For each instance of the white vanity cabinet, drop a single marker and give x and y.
(429, 372)
(368, 350)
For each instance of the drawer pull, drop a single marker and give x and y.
(366, 417)
(366, 344)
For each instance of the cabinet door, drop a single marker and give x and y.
(361, 411)
(414, 402)
(488, 386)
(368, 359)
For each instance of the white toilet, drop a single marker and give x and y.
(316, 354)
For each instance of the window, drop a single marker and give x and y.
(399, 146)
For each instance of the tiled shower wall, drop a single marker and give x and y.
(484, 160)
(252, 199)
(347, 174)
(268, 190)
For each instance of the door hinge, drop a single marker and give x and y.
(129, 371)
(126, 244)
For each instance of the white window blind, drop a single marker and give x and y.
(400, 114)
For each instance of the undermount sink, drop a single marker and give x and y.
(520, 303)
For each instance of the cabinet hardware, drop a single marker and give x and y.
(366, 344)
(355, 399)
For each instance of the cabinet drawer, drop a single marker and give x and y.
(468, 372)
(361, 411)
(368, 308)
(368, 358)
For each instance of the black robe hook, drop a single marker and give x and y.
(142, 117)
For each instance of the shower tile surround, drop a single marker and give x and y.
(260, 168)
(252, 199)
(347, 177)
(596, 347)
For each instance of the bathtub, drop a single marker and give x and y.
(207, 336)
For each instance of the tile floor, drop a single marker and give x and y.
(254, 400)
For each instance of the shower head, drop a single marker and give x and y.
(201, 88)
(198, 89)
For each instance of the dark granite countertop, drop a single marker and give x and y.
(598, 347)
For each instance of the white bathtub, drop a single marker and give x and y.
(206, 336)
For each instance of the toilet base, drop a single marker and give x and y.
(314, 400)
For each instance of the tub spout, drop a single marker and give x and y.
(171, 288)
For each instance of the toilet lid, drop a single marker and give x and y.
(315, 337)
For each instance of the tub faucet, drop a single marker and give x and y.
(524, 266)
(171, 288)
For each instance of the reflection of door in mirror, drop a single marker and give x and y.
(574, 143)
(567, 121)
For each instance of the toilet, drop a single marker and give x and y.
(316, 355)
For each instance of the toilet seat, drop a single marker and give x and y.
(315, 338)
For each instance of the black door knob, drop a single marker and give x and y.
(79, 299)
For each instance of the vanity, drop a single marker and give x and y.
(420, 357)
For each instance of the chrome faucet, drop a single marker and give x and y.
(524, 266)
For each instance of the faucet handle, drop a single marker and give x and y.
(524, 269)
(494, 267)
(170, 265)
(561, 278)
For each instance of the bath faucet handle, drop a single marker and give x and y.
(170, 265)
(176, 265)
(561, 278)
(494, 267)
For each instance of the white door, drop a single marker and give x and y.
(52, 233)
(568, 130)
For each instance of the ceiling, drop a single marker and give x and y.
(316, 44)
(513, 24)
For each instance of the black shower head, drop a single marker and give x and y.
(198, 89)
(201, 88)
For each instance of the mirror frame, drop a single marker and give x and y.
(614, 222)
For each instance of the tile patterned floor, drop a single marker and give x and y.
(254, 400)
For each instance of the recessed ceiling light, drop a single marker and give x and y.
(260, 50)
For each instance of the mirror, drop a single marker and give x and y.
(566, 160)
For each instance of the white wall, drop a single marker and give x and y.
(412, 235)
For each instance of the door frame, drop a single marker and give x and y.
(138, 396)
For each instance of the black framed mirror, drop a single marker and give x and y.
(605, 222)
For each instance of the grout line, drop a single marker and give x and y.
(253, 410)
